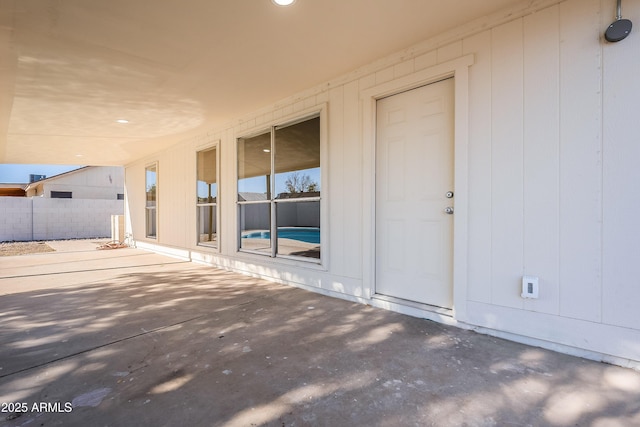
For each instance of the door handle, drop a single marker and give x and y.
(448, 210)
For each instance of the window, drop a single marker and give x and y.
(61, 194)
(279, 191)
(207, 197)
(151, 186)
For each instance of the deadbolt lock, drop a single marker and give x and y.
(449, 194)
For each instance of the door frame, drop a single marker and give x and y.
(459, 70)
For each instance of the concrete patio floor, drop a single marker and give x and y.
(130, 338)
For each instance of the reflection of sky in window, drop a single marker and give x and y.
(151, 179)
(203, 189)
(257, 184)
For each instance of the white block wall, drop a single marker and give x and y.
(37, 218)
(15, 219)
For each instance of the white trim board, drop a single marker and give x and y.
(581, 338)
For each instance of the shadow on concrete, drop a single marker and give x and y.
(192, 345)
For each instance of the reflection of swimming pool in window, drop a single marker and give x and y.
(303, 234)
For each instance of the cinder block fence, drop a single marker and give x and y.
(37, 218)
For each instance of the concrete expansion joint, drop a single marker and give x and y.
(88, 350)
(91, 269)
(143, 333)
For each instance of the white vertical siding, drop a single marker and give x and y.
(228, 191)
(507, 105)
(352, 249)
(552, 175)
(580, 160)
(541, 163)
(621, 180)
(480, 166)
(563, 174)
(345, 182)
(336, 170)
(173, 190)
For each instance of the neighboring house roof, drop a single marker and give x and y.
(259, 197)
(252, 197)
(13, 185)
(13, 190)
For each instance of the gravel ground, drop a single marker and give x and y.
(24, 248)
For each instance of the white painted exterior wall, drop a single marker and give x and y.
(95, 182)
(547, 145)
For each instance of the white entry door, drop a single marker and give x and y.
(414, 189)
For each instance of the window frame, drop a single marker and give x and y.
(155, 208)
(299, 117)
(216, 247)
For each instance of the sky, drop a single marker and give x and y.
(19, 174)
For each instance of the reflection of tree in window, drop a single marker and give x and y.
(297, 156)
(151, 193)
(300, 183)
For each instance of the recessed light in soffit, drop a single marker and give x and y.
(283, 2)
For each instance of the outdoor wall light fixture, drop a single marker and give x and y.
(283, 2)
(620, 29)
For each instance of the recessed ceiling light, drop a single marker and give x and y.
(79, 155)
(123, 121)
(283, 2)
